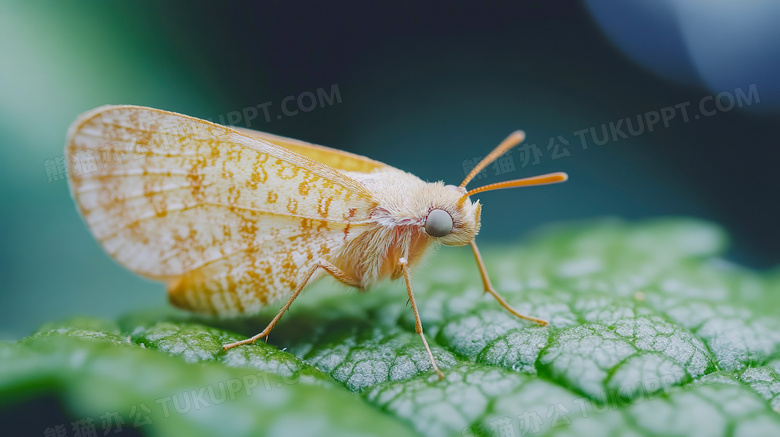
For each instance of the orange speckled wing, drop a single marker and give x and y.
(335, 158)
(229, 219)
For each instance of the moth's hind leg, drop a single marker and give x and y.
(489, 288)
(328, 267)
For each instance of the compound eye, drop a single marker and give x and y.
(438, 223)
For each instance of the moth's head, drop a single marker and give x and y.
(454, 219)
(450, 220)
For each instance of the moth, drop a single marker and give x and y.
(235, 220)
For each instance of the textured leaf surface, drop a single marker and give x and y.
(651, 333)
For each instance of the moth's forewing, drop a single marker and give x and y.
(230, 220)
(335, 158)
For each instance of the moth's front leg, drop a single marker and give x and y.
(321, 264)
(417, 323)
(489, 288)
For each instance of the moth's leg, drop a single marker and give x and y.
(330, 268)
(489, 288)
(417, 323)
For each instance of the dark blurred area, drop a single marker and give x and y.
(424, 86)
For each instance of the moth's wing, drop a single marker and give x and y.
(335, 158)
(245, 281)
(183, 200)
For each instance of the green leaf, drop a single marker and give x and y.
(651, 333)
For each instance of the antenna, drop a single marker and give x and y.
(512, 140)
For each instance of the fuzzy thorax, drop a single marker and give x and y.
(404, 203)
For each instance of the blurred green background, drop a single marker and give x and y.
(423, 87)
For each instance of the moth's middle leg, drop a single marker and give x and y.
(330, 268)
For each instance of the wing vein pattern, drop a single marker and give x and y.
(229, 218)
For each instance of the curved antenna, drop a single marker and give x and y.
(550, 178)
(512, 140)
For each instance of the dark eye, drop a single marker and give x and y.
(438, 223)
